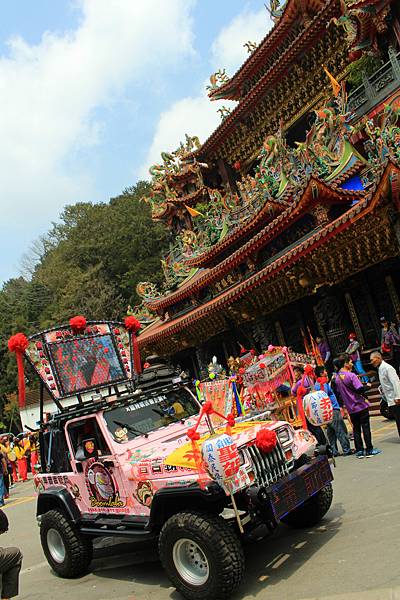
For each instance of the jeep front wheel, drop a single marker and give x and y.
(201, 555)
(67, 552)
(311, 512)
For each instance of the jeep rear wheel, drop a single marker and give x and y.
(312, 511)
(201, 555)
(68, 553)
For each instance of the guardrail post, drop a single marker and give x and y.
(394, 61)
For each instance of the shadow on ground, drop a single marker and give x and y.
(268, 561)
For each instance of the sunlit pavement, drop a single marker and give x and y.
(353, 555)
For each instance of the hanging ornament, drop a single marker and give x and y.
(221, 459)
(18, 343)
(133, 326)
(318, 408)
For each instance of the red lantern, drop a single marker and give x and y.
(355, 55)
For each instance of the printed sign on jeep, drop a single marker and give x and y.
(116, 460)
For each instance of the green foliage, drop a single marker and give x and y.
(89, 263)
(367, 65)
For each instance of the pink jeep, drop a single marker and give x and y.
(105, 468)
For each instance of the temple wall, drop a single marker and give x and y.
(354, 305)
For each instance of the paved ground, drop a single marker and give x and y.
(354, 555)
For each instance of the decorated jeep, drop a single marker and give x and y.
(138, 456)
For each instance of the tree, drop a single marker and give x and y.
(89, 263)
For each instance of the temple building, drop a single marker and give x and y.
(285, 221)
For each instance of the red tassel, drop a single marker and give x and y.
(133, 325)
(18, 343)
(136, 354)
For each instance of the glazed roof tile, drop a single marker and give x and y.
(304, 246)
(271, 230)
(274, 73)
(243, 231)
(269, 44)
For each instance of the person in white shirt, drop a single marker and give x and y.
(390, 384)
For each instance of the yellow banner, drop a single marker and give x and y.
(183, 456)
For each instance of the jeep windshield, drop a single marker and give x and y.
(144, 415)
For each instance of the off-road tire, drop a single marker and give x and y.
(311, 512)
(219, 544)
(78, 549)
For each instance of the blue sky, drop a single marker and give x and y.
(92, 90)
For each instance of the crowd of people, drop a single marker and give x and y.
(346, 382)
(18, 456)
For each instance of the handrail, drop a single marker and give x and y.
(377, 86)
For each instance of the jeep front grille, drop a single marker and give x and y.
(270, 467)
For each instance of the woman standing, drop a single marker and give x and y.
(34, 453)
(21, 460)
(12, 461)
(3, 471)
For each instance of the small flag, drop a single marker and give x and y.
(336, 87)
(305, 342)
(193, 212)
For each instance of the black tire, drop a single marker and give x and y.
(312, 511)
(219, 546)
(77, 549)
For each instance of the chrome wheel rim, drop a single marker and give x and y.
(56, 545)
(190, 562)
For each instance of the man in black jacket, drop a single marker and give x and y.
(10, 565)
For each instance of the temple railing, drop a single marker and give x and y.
(377, 87)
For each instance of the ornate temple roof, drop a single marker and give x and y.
(294, 14)
(315, 28)
(367, 241)
(314, 191)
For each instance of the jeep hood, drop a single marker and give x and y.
(170, 445)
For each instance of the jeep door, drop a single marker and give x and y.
(96, 476)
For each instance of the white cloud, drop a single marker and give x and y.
(228, 49)
(49, 93)
(191, 115)
(197, 115)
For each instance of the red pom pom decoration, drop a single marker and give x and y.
(262, 365)
(18, 343)
(242, 370)
(78, 324)
(132, 324)
(237, 165)
(308, 370)
(146, 365)
(266, 440)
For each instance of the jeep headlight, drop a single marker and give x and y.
(284, 435)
